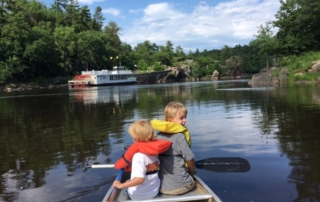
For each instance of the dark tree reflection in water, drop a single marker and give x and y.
(47, 136)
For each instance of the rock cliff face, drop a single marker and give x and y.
(174, 74)
(153, 77)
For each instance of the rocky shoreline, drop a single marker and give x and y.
(266, 77)
(180, 74)
(25, 87)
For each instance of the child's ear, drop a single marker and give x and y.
(169, 119)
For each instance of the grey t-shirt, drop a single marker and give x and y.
(173, 173)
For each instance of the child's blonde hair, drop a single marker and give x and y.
(172, 109)
(142, 131)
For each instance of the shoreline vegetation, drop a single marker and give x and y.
(45, 46)
(298, 70)
(305, 67)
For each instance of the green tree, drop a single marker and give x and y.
(251, 61)
(66, 43)
(57, 9)
(146, 51)
(70, 13)
(98, 19)
(197, 52)
(298, 23)
(40, 53)
(113, 30)
(234, 63)
(142, 65)
(158, 67)
(64, 39)
(15, 34)
(265, 42)
(179, 52)
(205, 65)
(92, 51)
(226, 53)
(82, 19)
(169, 52)
(165, 54)
(60, 5)
(127, 56)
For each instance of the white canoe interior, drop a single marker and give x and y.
(201, 193)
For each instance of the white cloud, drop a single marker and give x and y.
(111, 11)
(89, 2)
(206, 27)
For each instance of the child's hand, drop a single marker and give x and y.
(117, 184)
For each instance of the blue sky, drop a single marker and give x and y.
(191, 24)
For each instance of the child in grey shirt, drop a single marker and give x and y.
(176, 178)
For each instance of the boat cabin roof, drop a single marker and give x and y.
(118, 68)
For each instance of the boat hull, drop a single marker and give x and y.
(88, 84)
(201, 193)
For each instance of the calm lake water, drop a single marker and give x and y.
(47, 136)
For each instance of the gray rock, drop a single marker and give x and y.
(316, 66)
(266, 78)
(215, 75)
(261, 78)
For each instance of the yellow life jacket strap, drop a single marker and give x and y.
(171, 128)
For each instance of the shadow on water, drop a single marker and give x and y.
(85, 194)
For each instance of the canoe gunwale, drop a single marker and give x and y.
(209, 196)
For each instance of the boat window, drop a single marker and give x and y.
(102, 77)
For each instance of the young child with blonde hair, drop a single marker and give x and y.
(176, 177)
(144, 181)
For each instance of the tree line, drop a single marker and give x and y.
(64, 39)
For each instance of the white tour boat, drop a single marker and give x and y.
(103, 77)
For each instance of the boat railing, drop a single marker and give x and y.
(105, 71)
(93, 73)
(122, 72)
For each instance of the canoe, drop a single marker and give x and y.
(201, 193)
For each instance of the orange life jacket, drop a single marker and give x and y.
(154, 147)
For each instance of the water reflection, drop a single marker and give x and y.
(55, 136)
(46, 137)
(103, 94)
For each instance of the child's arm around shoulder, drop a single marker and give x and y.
(134, 182)
(138, 171)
